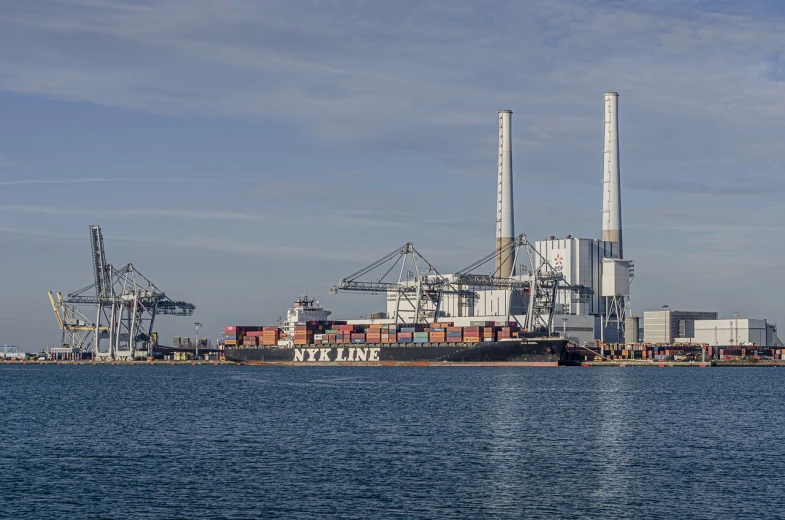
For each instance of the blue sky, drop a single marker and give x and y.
(241, 153)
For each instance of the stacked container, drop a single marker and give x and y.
(437, 334)
(454, 334)
(373, 334)
(420, 337)
(270, 336)
(487, 333)
(303, 335)
(472, 334)
(331, 333)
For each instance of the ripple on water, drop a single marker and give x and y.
(355, 442)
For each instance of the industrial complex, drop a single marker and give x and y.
(577, 287)
(532, 292)
(589, 300)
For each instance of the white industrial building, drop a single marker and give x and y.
(665, 327)
(735, 331)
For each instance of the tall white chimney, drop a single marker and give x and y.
(611, 185)
(504, 207)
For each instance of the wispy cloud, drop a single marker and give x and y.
(246, 248)
(91, 180)
(137, 212)
(419, 76)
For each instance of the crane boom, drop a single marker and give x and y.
(99, 261)
(54, 308)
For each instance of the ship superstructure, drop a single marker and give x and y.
(303, 310)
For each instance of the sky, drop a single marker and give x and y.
(242, 153)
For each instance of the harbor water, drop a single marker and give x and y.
(144, 442)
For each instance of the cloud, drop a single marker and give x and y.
(136, 212)
(417, 77)
(246, 248)
(91, 180)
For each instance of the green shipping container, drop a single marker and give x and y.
(420, 334)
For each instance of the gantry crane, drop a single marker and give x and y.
(125, 303)
(419, 287)
(424, 288)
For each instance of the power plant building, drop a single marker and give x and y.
(580, 261)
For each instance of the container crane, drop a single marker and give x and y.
(125, 303)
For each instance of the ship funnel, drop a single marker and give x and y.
(504, 204)
(611, 185)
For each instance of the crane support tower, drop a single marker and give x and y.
(125, 304)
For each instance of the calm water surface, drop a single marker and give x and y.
(285, 442)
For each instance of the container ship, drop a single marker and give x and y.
(309, 337)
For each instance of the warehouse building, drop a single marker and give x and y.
(664, 327)
(736, 331)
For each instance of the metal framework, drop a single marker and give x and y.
(423, 288)
(538, 286)
(617, 308)
(125, 303)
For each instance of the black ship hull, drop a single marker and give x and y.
(528, 351)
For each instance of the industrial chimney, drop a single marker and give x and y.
(504, 208)
(611, 187)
